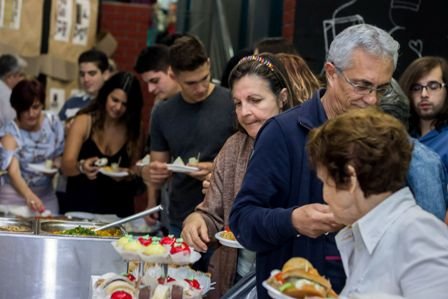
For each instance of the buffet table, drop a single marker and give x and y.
(39, 265)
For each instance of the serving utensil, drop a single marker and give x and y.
(130, 218)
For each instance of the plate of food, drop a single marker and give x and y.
(80, 215)
(298, 279)
(227, 238)
(181, 168)
(114, 172)
(46, 167)
(144, 161)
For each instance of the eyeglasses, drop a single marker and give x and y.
(430, 86)
(366, 89)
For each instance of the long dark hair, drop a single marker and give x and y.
(131, 87)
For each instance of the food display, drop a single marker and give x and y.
(15, 228)
(114, 286)
(155, 249)
(167, 276)
(180, 282)
(298, 279)
(82, 231)
(15, 225)
(78, 229)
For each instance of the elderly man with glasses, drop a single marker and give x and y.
(279, 212)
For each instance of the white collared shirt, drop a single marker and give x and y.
(396, 248)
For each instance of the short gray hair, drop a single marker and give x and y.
(10, 63)
(369, 38)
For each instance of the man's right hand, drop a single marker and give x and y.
(156, 172)
(314, 220)
(195, 232)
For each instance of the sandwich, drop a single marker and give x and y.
(299, 279)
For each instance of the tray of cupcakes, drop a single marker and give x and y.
(180, 283)
(160, 250)
(162, 270)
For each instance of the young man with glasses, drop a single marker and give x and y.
(279, 212)
(424, 82)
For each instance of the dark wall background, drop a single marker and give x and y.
(420, 26)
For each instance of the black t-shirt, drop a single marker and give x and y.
(185, 130)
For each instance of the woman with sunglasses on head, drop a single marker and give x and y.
(261, 88)
(34, 138)
(108, 128)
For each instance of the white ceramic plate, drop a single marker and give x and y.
(227, 242)
(274, 293)
(41, 168)
(181, 168)
(114, 174)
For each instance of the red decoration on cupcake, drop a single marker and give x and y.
(180, 247)
(120, 295)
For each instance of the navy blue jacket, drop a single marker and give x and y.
(279, 179)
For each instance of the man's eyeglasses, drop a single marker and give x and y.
(430, 86)
(366, 89)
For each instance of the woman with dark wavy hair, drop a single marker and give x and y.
(108, 128)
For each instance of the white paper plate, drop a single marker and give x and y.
(82, 215)
(181, 168)
(274, 293)
(114, 174)
(145, 161)
(227, 242)
(41, 168)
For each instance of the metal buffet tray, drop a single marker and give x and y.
(7, 225)
(49, 227)
(53, 266)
